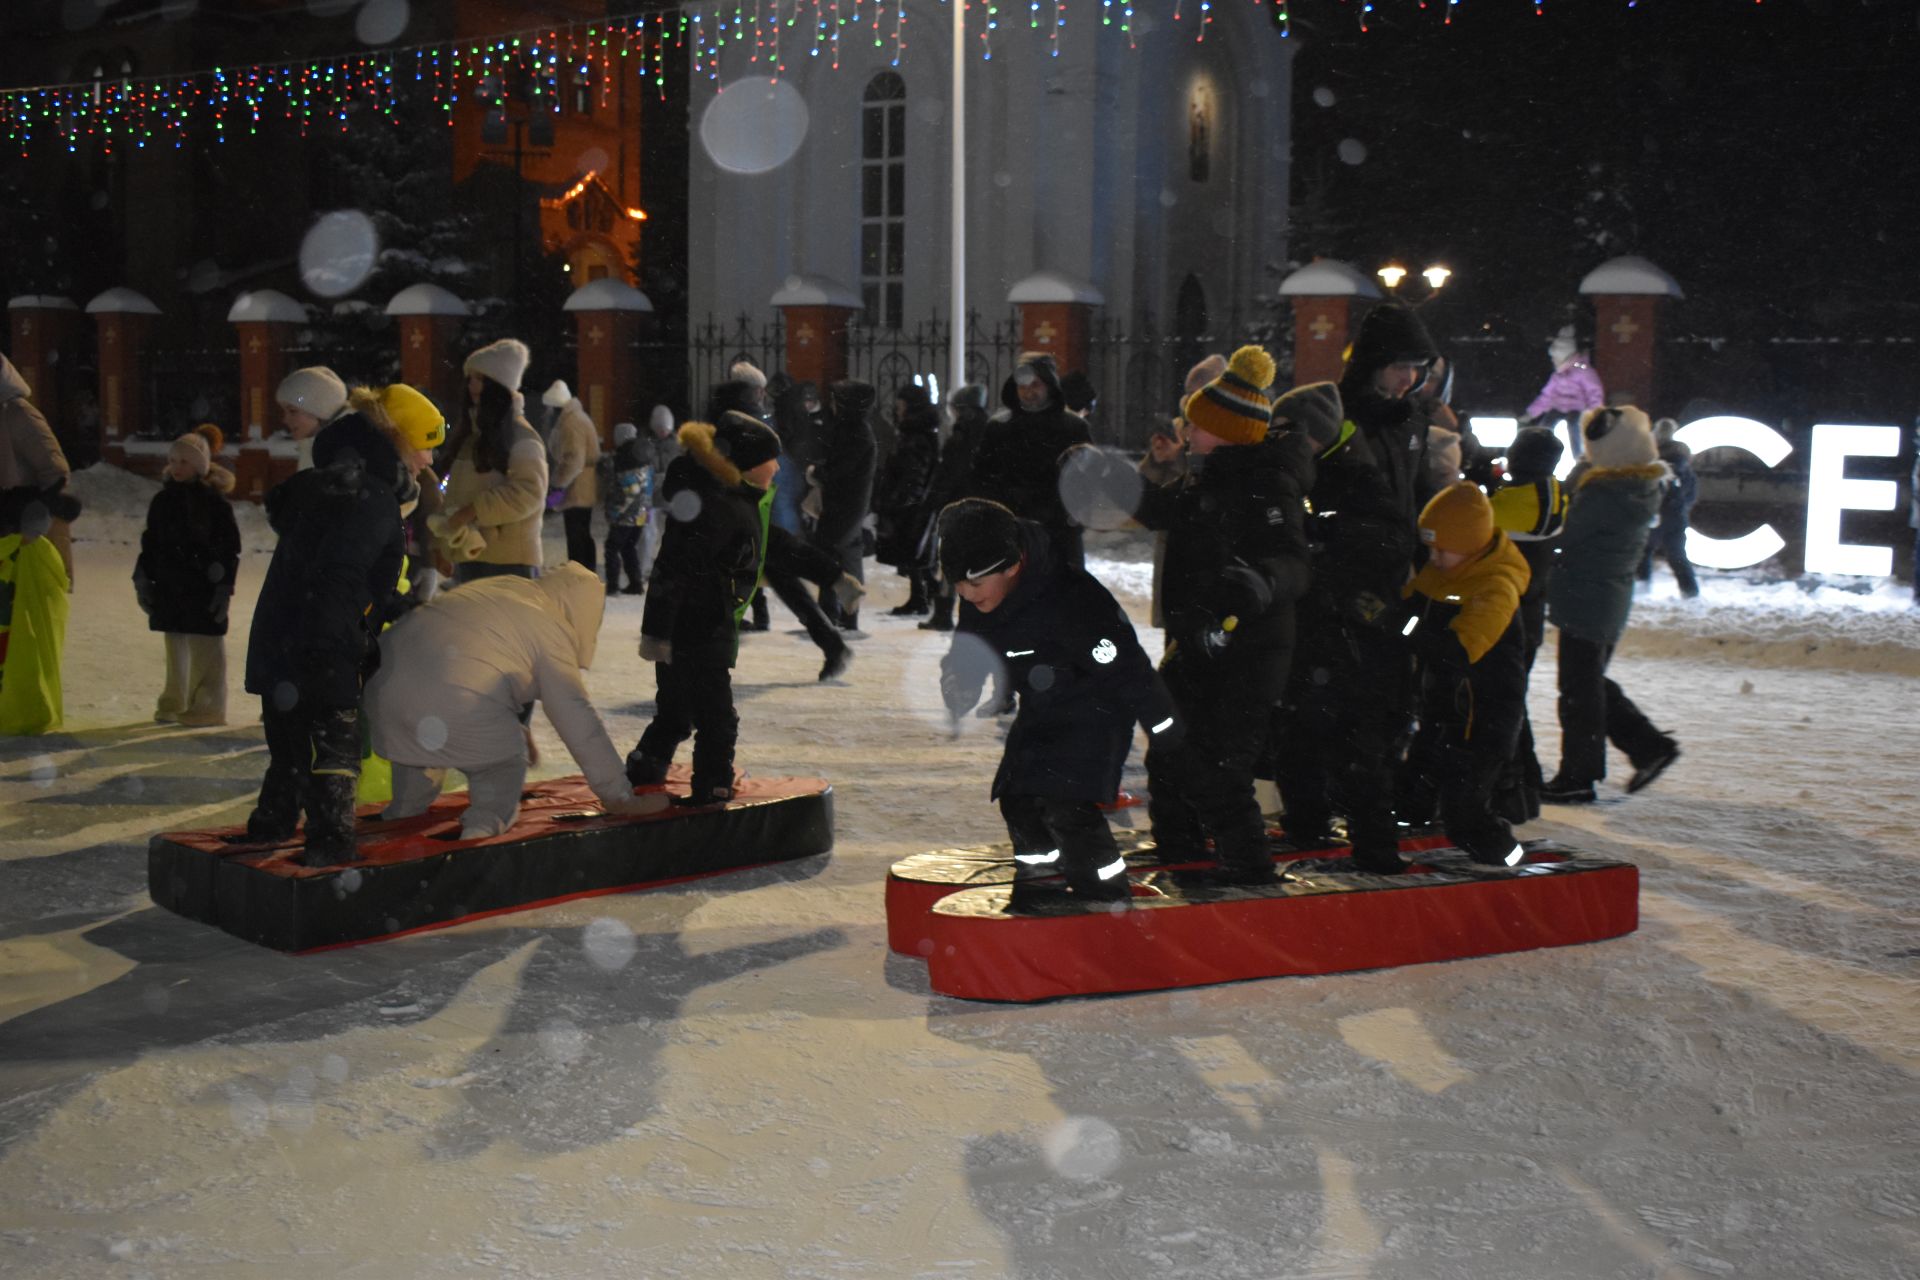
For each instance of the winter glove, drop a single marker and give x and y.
(143, 590)
(1367, 609)
(1239, 592)
(847, 591)
(1214, 640)
(654, 649)
(459, 541)
(1434, 645)
(620, 799)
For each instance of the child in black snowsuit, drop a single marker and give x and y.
(189, 555)
(703, 580)
(1084, 682)
(1470, 646)
(328, 588)
(1235, 562)
(1530, 508)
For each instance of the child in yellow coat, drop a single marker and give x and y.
(1470, 642)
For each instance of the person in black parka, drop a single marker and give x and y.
(1018, 462)
(708, 567)
(1236, 561)
(951, 477)
(845, 474)
(1344, 721)
(791, 561)
(1051, 630)
(327, 589)
(1677, 496)
(900, 501)
(189, 556)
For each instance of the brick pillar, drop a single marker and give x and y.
(430, 320)
(264, 321)
(817, 344)
(125, 322)
(45, 331)
(1623, 351)
(1324, 293)
(1058, 328)
(1056, 316)
(816, 312)
(1626, 295)
(1322, 326)
(610, 316)
(253, 471)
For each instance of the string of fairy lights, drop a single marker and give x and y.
(322, 94)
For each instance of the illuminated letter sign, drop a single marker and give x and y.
(1764, 443)
(1829, 492)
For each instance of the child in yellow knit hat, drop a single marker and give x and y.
(1470, 643)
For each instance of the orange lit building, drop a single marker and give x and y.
(574, 136)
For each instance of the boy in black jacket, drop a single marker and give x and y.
(1084, 682)
(703, 580)
(1236, 560)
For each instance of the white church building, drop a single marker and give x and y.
(1140, 174)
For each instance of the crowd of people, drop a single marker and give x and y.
(1353, 593)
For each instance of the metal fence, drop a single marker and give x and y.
(1136, 373)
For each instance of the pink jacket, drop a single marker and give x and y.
(1570, 390)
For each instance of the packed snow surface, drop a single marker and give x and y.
(735, 1078)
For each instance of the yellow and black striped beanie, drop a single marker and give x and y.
(1235, 406)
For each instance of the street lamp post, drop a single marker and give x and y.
(1435, 277)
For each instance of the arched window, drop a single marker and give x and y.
(883, 199)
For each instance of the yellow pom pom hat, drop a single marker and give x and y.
(1235, 406)
(420, 424)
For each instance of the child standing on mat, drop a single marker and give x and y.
(1058, 637)
(718, 499)
(1471, 646)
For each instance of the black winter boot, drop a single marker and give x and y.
(330, 842)
(942, 619)
(645, 770)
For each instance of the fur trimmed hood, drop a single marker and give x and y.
(697, 438)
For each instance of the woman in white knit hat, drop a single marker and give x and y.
(573, 451)
(497, 476)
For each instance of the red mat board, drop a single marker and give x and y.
(1325, 919)
(418, 873)
(915, 883)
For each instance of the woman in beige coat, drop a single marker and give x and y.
(575, 451)
(497, 476)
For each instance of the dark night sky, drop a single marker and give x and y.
(1764, 154)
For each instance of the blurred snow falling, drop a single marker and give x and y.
(338, 253)
(754, 125)
(382, 21)
(609, 944)
(43, 770)
(1082, 1148)
(431, 733)
(562, 1042)
(684, 505)
(1352, 151)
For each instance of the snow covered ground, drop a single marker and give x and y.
(735, 1078)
